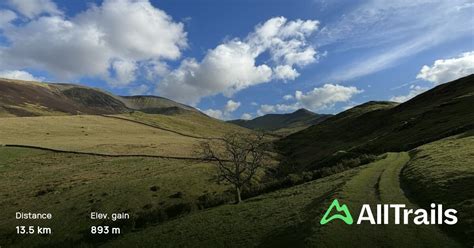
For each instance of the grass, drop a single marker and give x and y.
(71, 186)
(94, 134)
(377, 128)
(378, 184)
(190, 123)
(443, 172)
(290, 217)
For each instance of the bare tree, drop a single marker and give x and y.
(238, 157)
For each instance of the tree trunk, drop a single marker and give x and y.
(238, 198)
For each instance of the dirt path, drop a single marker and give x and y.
(379, 183)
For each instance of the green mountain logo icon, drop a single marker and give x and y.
(345, 216)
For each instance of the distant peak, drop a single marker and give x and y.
(303, 111)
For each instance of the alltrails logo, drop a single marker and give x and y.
(386, 213)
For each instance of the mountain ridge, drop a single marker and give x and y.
(289, 122)
(378, 127)
(31, 98)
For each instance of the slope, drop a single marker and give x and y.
(378, 127)
(28, 98)
(71, 186)
(156, 105)
(290, 217)
(295, 121)
(443, 172)
(23, 98)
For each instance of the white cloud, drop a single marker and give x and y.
(287, 97)
(232, 66)
(326, 96)
(20, 75)
(215, 113)
(34, 8)
(6, 16)
(139, 90)
(285, 72)
(414, 91)
(266, 109)
(226, 113)
(315, 100)
(246, 116)
(445, 70)
(124, 72)
(90, 43)
(231, 106)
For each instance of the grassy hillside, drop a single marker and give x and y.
(87, 133)
(443, 172)
(28, 98)
(24, 98)
(291, 217)
(378, 127)
(189, 123)
(156, 105)
(70, 186)
(283, 123)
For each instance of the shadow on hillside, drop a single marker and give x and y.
(297, 235)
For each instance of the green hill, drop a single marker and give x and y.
(283, 123)
(443, 172)
(378, 127)
(290, 217)
(156, 105)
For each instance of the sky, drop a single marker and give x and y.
(242, 59)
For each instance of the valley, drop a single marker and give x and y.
(71, 150)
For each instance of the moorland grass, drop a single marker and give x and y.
(290, 217)
(70, 186)
(443, 172)
(97, 134)
(189, 123)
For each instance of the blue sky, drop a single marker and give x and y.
(241, 59)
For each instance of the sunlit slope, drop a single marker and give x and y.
(290, 217)
(441, 112)
(95, 134)
(28, 98)
(155, 105)
(443, 172)
(188, 123)
(71, 186)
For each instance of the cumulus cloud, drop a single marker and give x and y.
(214, 113)
(246, 116)
(34, 8)
(285, 72)
(231, 106)
(414, 91)
(108, 41)
(6, 16)
(20, 75)
(266, 109)
(232, 66)
(326, 96)
(124, 72)
(226, 113)
(445, 70)
(316, 99)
